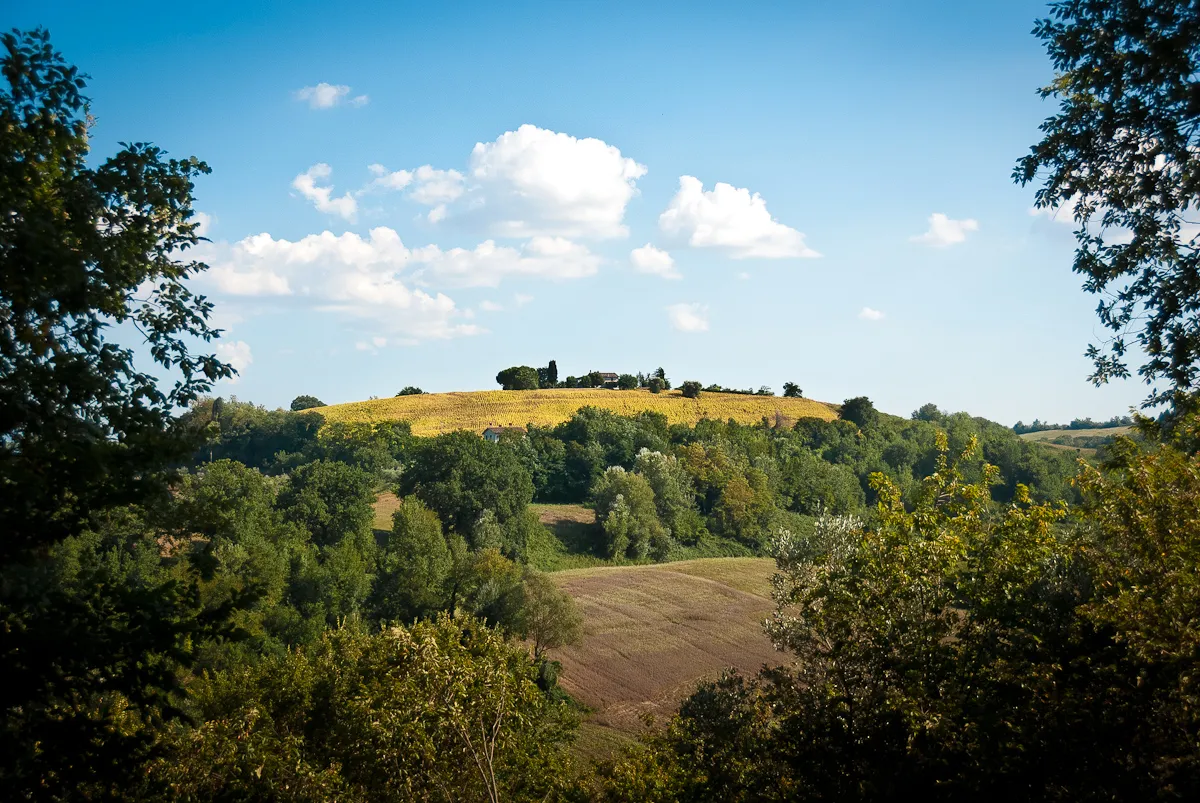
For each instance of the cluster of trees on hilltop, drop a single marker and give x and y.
(523, 377)
(1022, 428)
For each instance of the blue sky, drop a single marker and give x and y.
(417, 193)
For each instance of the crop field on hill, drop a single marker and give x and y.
(434, 413)
(1081, 442)
(651, 633)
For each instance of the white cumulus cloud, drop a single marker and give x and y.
(357, 278)
(688, 317)
(326, 96)
(944, 231)
(649, 259)
(868, 314)
(237, 354)
(345, 207)
(436, 187)
(487, 264)
(732, 219)
(533, 181)
(386, 179)
(490, 306)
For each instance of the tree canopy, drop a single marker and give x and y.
(305, 402)
(519, 377)
(81, 428)
(1122, 156)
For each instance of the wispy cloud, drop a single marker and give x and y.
(944, 231)
(649, 259)
(688, 317)
(326, 96)
(868, 314)
(345, 207)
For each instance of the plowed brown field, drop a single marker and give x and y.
(651, 633)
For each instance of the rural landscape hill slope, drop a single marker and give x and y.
(651, 633)
(434, 413)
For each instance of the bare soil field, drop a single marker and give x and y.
(651, 633)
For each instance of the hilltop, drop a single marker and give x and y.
(434, 413)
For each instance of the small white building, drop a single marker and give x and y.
(492, 434)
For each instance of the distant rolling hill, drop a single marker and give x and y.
(1080, 441)
(434, 413)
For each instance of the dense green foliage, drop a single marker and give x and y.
(91, 656)
(305, 402)
(442, 711)
(520, 377)
(960, 650)
(1021, 428)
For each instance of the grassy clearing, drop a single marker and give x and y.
(1080, 442)
(434, 413)
(385, 505)
(568, 540)
(1051, 434)
(652, 632)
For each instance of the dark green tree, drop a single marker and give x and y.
(929, 412)
(460, 475)
(690, 389)
(548, 376)
(91, 665)
(304, 402)
(859, 411)
(519, 377)
(331, 500)
(414, 565)
(627, 382)
(1121, 156)
(549, 616)
(626, 514)
(656, 384)
(791, 390)
(81, 429)
(410, 390)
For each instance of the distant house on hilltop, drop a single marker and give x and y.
(608, 379)
(492, 434)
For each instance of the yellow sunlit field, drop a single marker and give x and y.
(434, 413)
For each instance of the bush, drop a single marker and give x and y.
(691, 390)
(656, 384)
(410, 390)
(627, 382)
